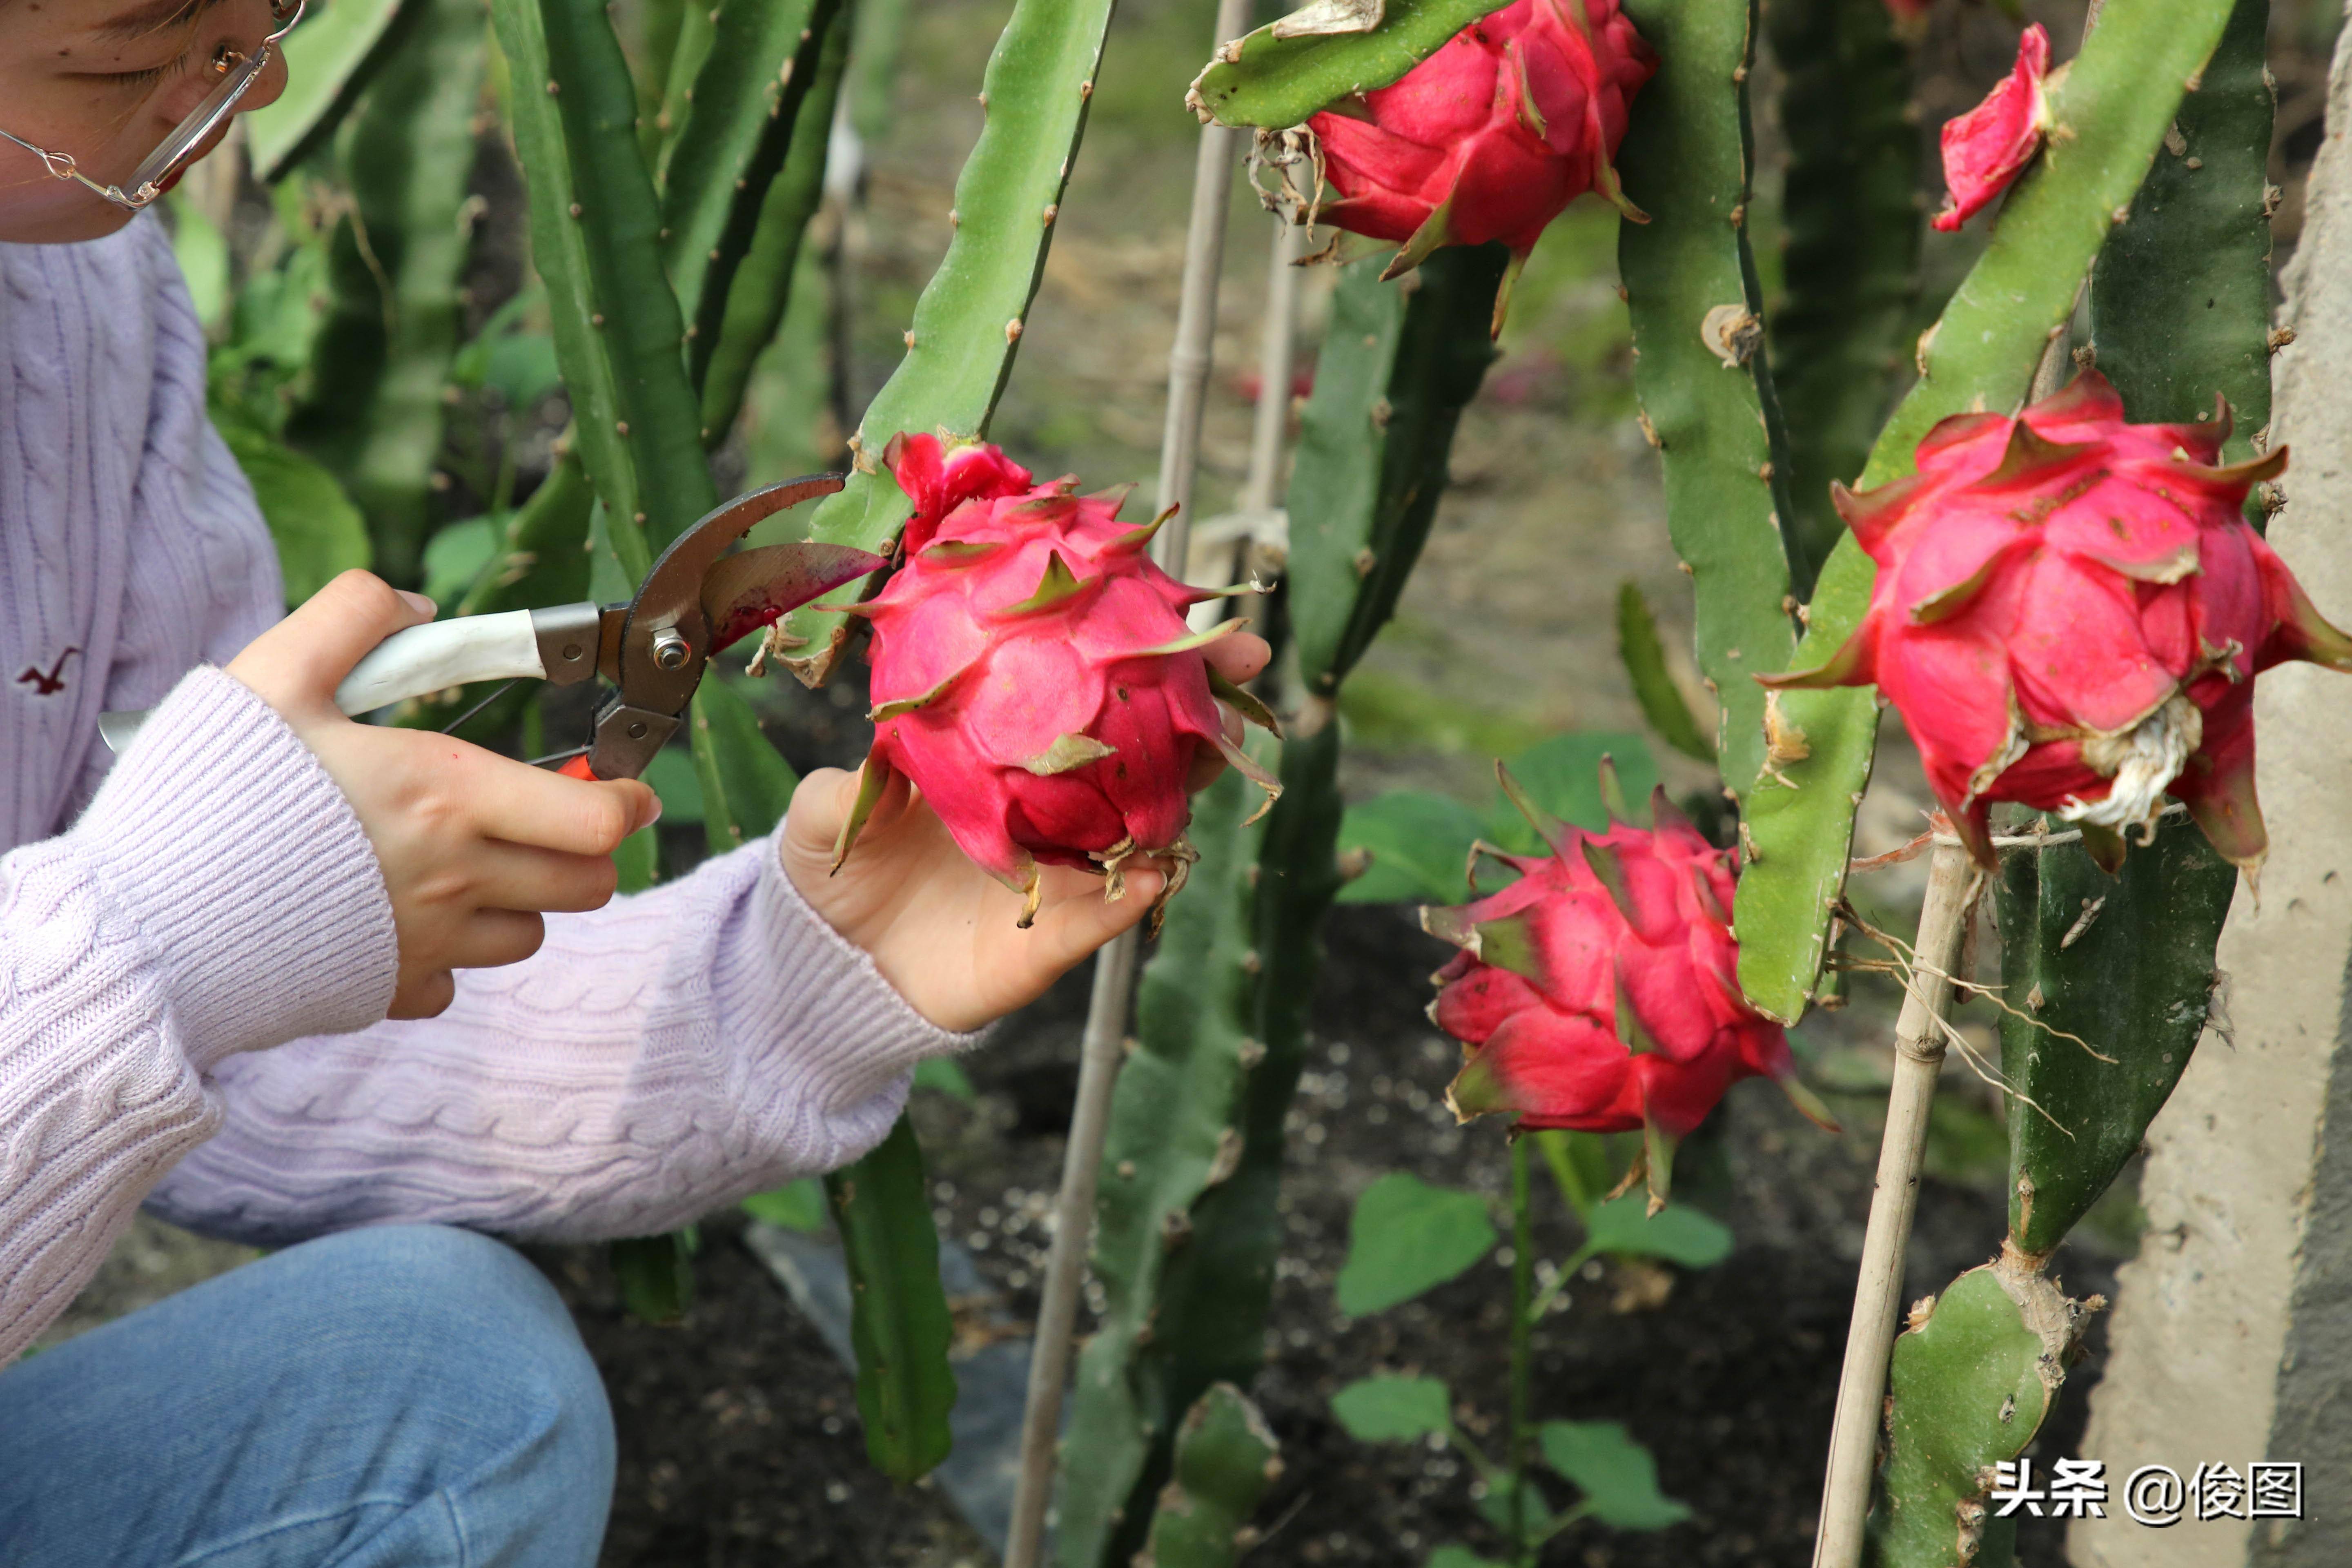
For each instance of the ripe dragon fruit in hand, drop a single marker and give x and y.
(1033, 676)
(1492, 136)
(2070, 611)
(1985, 149)
(1601, 992)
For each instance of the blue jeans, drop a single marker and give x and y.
(406, 1395)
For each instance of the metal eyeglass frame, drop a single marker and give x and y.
(177, 151)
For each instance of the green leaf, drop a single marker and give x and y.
(899, 1324)
(456, 557)
(795, 1206)
(1495, 1509)
(318, 530)
(1645, 664)
(1419, 844)
(1408, 1237)
(947, 1076)
(1622, 1228)
(330, 59)
(1562, 776)
(1275, 83)
(1386, 1409)
(1617, 1475)
(1460, 1557)
(656, 1274)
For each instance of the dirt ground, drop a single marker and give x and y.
(738, 1431)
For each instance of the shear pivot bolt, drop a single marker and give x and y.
(670, 651)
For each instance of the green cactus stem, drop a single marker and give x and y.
(658, 23)
(1226, 1456)
(595, 226)
(720, 362)
(899, 1324)
(376, 414)
(969, 318)
(1188, 1230)
(2109, 978)
(1280, 75)
(1973, 1375)
(2113, 108)
(1702, 374)
(743, 121)
(1849, 205)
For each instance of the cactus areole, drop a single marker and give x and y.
(1988, 146)
(1035, 677)
(1601, 991)
(1492, 136)
(2070, 611)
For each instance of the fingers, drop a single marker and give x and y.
(508, 877)
(1240, 657)
(496, 937)
(526, 806)
(1076, 918)
(296, 664)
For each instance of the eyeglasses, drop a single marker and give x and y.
(238, 74)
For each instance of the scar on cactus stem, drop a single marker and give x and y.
(1987, 147)
(1601, 991)
(2070, 611)
(1035, 677)
(1490, 137)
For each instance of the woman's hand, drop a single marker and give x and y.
(473, 847)
(942, 930)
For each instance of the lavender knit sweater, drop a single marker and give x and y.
(196, 951)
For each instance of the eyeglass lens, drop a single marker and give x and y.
(191, 132)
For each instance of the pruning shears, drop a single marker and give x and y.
(695, 600)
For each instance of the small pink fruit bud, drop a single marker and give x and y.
(1985, 147)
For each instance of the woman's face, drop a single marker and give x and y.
(106, 80)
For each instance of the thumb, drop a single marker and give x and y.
(296, 664)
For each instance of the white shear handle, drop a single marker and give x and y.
(442, 654)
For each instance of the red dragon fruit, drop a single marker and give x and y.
(1033, 675)
(2070, 611)
(1985, 147)
(1600, 990)
(1492, 136)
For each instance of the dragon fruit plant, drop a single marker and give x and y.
(1600, 990)
(1491, 137)
(2070, 611)
(1035, 677)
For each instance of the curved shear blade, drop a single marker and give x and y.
(756, 588)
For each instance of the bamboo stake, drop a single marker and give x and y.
(1098, 1055)
(1952, 888)
(1277, 356)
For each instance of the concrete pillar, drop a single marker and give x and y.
(2232, 1339)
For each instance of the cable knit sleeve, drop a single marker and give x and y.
(218, 896)
(666, 1054)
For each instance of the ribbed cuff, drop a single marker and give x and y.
(852, 1036)
(244, 866)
